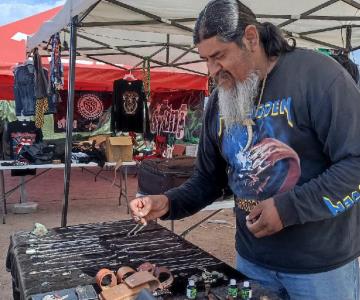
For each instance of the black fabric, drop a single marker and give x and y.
(41, 79)
(78, 252)
(129, 102)
(156, 176)
(21, 133)
(93, 153)
(59, 148)
(37, 154)
(23, 172)
(348, 64)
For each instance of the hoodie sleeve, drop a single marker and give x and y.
(336, 122)
(209, 177)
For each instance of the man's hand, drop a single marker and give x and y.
(264, 219)
(149, 207)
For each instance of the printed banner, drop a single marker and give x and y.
(91, 111)
(178, 113)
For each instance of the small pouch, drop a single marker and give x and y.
(142, 277)
(122, 292)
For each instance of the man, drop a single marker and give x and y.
(344, 60)
(282, 131)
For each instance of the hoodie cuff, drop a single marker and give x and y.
(168, 215)
(286, 209)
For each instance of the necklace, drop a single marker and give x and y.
(262, 91)
(249, 122)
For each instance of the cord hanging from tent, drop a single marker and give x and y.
(146, 76)
(56, 68)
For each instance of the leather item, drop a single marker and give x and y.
(131, 282)
(146, 266)
(100, 276)
(122, 292)
(142, 277)
(124, 272)
(159, 273)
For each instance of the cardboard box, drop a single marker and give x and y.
(98, 138)
(119, 148)
(191, 150)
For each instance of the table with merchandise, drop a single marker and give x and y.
(68, 259)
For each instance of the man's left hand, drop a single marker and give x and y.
(264, 219)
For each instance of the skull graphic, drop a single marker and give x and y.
(130, 102)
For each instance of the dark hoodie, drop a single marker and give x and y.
(304, 153)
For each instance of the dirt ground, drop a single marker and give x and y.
(92, 202)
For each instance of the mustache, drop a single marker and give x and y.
(222, 75)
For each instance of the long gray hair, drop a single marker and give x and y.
(227, 19)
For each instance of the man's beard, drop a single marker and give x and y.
(236, 103)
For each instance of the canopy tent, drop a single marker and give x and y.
(12, 50)
(119, 31)
(90, 74)
(126, 31)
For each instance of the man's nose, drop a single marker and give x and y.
(214, 68)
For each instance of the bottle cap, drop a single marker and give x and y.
(191, 282)
(246, 284)
(232, 281)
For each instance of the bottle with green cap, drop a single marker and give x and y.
(246, 292)
(233, 289)
(191, 291)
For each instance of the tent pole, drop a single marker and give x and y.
(348, 39)
(69, 119)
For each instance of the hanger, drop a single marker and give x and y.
(129, 76)
(29, 61)
(24, 119)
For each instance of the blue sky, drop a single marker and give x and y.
(356, 57)
(13, 10)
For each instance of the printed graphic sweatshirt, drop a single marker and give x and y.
(305, 153)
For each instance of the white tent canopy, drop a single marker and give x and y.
(123, 32)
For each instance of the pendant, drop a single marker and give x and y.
(249, 123)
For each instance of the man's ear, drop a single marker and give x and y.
(251, 38)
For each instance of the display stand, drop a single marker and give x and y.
(24, 206)
(46, 167)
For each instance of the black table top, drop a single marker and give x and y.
(71, 256)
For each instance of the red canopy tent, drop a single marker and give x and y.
(90, 75)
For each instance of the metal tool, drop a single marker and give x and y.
(138, 227)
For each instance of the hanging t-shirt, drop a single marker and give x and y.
(21, 133)
(129, 102)
(91, 111)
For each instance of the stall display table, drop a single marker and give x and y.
(71, 256)
(122, 186)
(45, 167)
(4, 194)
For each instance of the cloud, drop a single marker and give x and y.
(13, 10)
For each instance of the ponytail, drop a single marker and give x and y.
(273, 41)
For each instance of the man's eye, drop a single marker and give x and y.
(220, 56)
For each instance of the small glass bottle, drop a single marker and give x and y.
(233, 289)
(191, 291)
(246, 292)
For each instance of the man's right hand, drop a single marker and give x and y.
(149, 207)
